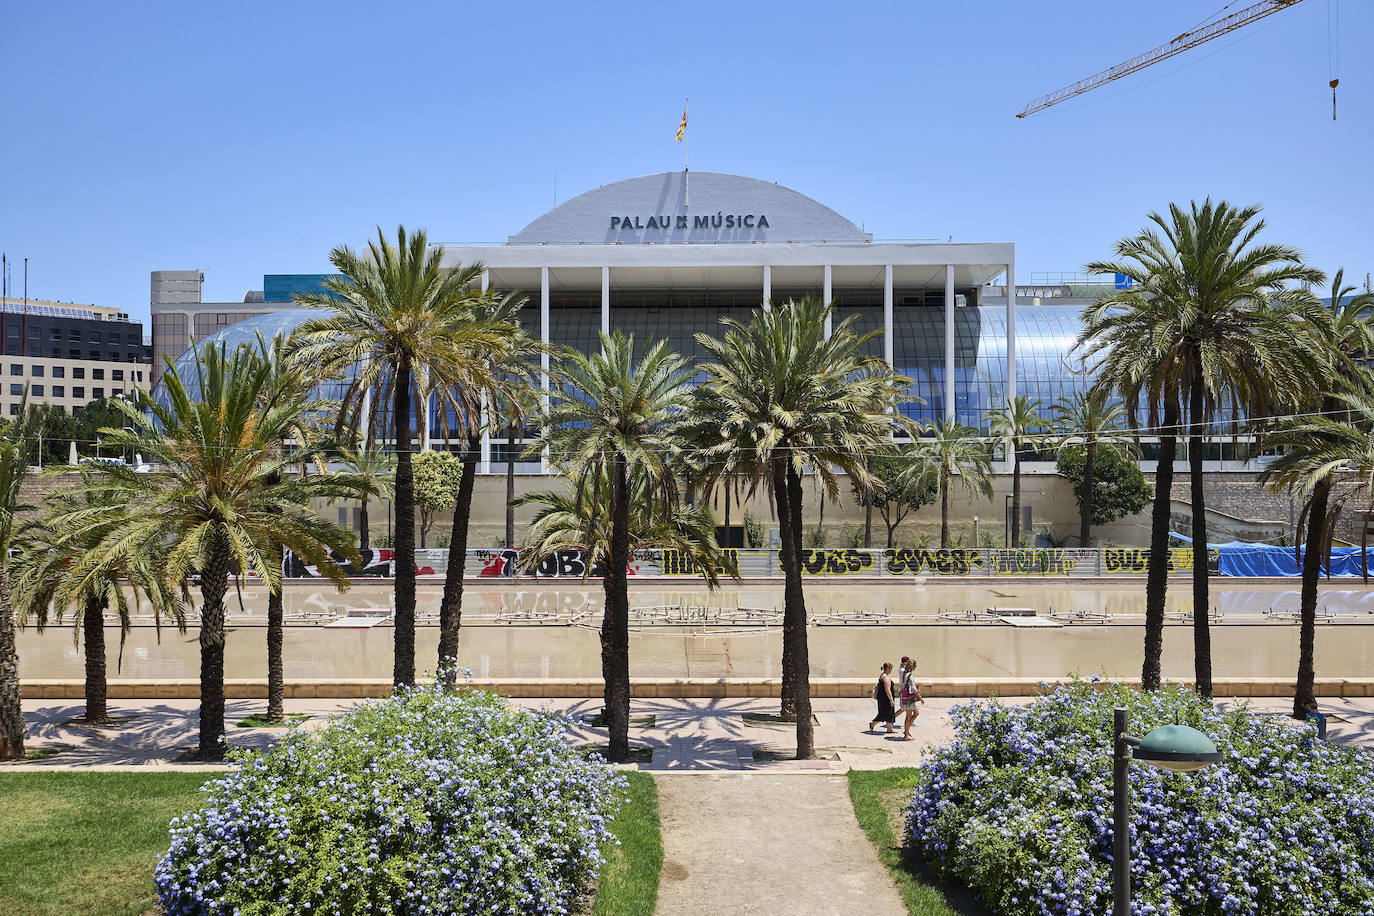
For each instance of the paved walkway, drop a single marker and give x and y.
(687, 734)
(740, 843)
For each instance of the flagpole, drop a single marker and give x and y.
(686, 159)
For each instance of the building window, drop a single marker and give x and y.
(14, 410)
(116, 375)
(36, 371)
(98, 374)
(33, 333)
(95, 337)
(138, 376)
(79, 392)
(54, 334)
(59, 371)
(98, 393)
(12, 331)
(135, 340)
(74, 335)
(16, 389)
(94, 354)
(59, 391)
(78, 372)
(36, 391)
(16, 368)
(73, 354)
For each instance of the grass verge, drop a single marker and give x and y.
(878, 797)
(82, 842)
(629, 880)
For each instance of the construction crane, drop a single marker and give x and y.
(1164, 52)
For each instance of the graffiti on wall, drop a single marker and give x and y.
(676, 563)
(1137, 560)
(561, 564)
(1053, 561)
(377, 563)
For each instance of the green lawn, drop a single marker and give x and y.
(629, 880)
(86, 842)
(878, 796)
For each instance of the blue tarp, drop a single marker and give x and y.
(1241, 559)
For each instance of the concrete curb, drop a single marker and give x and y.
(649, 688)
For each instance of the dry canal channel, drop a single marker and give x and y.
(533, 630)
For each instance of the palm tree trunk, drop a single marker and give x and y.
(363, 541)
(1157, 576)
(93, 639)
(868, 524)
(1085, 505)
(615, 626)
(944, 509)
(214, 582)
(727, 513)
(510, 489)
(1015, 494)
(796, 619)
(11, 709)
(791, 565)
(403, 673)
(276, 676)
(451, 606)
(1202, 634)
(1314, 551)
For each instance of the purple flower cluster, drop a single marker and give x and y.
(427, 802)
(1019, 808)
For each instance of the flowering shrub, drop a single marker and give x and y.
(426, 802)
(1019, 808)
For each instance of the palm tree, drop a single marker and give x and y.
(1018, 422)
(501, 362)
(44, 580)
(378, 470)
(1088, 420)
(783, 400)
(1314, 451)
(566, 522)
(18, 443)
(221, 499)
(1210, 320)
(955, 450)
(402, 325)
(610, 420)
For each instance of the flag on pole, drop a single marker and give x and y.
(682, 128)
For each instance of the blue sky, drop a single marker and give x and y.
(250, 138)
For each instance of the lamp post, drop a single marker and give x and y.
(1178, 748)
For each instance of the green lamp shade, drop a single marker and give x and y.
(1178, 748)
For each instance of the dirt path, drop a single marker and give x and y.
(784, 844)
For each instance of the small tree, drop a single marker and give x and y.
(1118, 488)
(437, 475)
(905, 483)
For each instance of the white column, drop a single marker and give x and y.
(887, 316)
(484, 462)
(949, 341)
(605, 300)
(1011, 332)
(544, 357)
(826, 295)
(767, 287)
(1011, 345)
(363, 443)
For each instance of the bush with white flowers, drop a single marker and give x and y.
(1019, 808)
(428, 802)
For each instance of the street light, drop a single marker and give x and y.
(1170, 747)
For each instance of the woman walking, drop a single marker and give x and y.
(910, 696)
(884, 693)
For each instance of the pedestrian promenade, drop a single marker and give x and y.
(687, 735)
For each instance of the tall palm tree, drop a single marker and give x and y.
(565, 522)
(1018, 422)
(1090, 421)
(1213, 314)
(43, 581)
(500, 363)
(610, 420)
(783, 400)
(1314, 451)
(955, 450)
(377, 469)
(221, 499)
(400, 328)
(18, 445)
